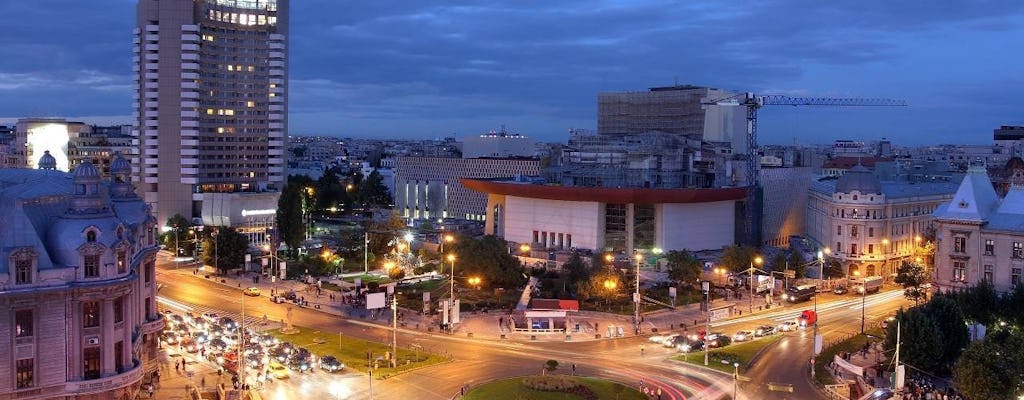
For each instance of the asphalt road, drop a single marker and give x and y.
(474, 361)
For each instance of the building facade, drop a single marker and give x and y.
(620, 219)
(428, 188)
(980, 236)
(212, 109)
(77, 284)
(500, 144)
(871, 226)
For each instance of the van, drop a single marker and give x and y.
(800, 293)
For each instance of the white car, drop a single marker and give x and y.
(788, 326)
(656, 338)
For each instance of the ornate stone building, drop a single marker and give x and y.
(77, 284)
(872, 226)
(980, 236)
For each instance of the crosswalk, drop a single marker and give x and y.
(182, 308)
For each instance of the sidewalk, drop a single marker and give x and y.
(482, 325)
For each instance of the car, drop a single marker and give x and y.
(290, 296)
(252, 291)
(788, 326)
(189, 345)
(888, 320)
(169, 337)
(669, 341)
(277, 370)
(331, 364)
(301, 360)
(228, 323)
(254, 360)
(840, 290)
(742, 336)
(764, 330)
(277, 299)
(218, 344)
(718, 340)
(656, 338)
(210, 317)
(879, 394)
(690, 345)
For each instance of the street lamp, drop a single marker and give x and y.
(863, 301)
(451, 295)
(475, 281)
(821, 272)
(720, 272)
(636, 296)
(735, 378)
(610, 260)
(446, 238)
(609, 285)
(757, 260)
(885, 255)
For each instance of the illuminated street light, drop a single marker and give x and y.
(474, 281)
(758, 261)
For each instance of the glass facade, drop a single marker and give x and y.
(615, 226)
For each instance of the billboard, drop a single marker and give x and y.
(376, 300)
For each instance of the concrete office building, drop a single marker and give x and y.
(872, 226)
(429, 188)
(212, 108)
(980, 236)
(497, 144)
(674, 110)
(77, 284)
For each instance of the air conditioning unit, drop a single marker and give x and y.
(93, 340)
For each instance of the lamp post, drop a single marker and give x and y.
(821, 272)
(706, 287)
(451, 294)
(446, 238)
(735, 378)
(757, 260)
(474, 281)
(720, 272)
(863, 301)
(366, 249)
(177, 248)
(885, 256)
(216, 255)
(636, 296)
(610, 286)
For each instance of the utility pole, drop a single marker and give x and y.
(394, 330)
(706, 286)
(636, 296)
(366, 253)
(241, 346)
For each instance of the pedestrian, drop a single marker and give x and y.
(150, 390)
(203, 381)
(176, 367)
(574, 369)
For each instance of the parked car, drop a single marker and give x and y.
(717, 339)
(252, 291)
(277, 299)
(840, 290)
(742, 336)
(764, 330)
(888, 320)
(331, 364)
(656, 338)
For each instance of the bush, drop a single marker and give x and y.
(550, 383)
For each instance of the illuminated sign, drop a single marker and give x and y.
(246, 213)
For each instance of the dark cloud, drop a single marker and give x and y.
(395, 67)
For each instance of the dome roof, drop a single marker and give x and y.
(86, 170)
(120, 165)
(47, 161)
(858, 179)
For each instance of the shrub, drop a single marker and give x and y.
(550, 383)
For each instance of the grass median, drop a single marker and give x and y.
(852, 344)
(353, 351)
(722, 359)
(514, 388)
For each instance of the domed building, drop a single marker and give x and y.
(77, 284)
(871, 226)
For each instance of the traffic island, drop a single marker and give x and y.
(552, 387)
(361, 355)
(723, 358)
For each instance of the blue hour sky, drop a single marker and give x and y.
(428, 69)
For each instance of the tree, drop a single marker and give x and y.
(576, 271)
(833, 268)
(990, 369)
(778, 262)
(289, 219)
(330, 192)
(372, 191)
(225, 249)
(911, 276)
(487, 257)
(738, 258)
(797, 263)
(174, 238)
(953, 334)
(978, 303)
(921, 340)
(683, 267)
(551, 365)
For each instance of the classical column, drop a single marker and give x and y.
(73, 312)
(107, 338)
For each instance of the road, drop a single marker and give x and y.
(474, 361)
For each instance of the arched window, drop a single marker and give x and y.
(90, 236)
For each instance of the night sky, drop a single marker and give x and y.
(429, 69)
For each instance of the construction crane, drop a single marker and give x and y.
(754, 102)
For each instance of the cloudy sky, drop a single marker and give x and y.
(427, 69)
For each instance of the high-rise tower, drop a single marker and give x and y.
(212, 109)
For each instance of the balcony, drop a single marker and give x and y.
(153, 326)
(108, 383)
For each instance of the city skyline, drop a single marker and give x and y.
(419, 70)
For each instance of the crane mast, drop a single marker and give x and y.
(752, 103)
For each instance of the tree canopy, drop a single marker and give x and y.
(225, 249)
(683, 267)
(289, 220)
(487, 257)
(738, 258)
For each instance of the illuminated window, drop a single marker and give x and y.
(122, 262)
(988, 273)
(250, 104)
(25, 373)
(273, 85)
(229, 112)
(23, 322)
(990, 247)
(209, 111)
(273, 95)
(231, 67)
(90, 314)
(220, 130)
(91, 362)
(959, 271)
